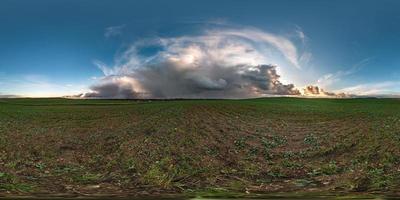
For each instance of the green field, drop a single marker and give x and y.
(63, 146)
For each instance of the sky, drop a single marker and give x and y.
(208, 48)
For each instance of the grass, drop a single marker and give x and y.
(257, 145)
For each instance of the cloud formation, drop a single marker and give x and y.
(6, 96)
(301, 35)
(113, 31)
(380, 89)
(217, 64)
(331, 79)
(36, 85)
(315, 91)
(169, 80)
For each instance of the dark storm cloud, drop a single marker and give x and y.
(219, 64)
(165, 80)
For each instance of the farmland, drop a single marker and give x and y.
(64, 146)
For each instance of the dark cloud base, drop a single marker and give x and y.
(167, 80)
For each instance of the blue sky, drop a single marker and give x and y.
(53, 48)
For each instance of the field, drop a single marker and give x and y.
(63, 146)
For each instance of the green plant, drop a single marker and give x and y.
(311, 140)
(275, 141)
(291, 164)
(240, 143)
(9, 182)
(161, 173)
(378, 178)
(88, 178)
(330, 168)
(40, 166)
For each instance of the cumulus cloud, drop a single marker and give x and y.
(226, 63)
(169, 80)
(315, 91)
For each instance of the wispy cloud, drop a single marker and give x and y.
(286, 47)
(306, 56)
(113, 31)
(301, 35)
(5, 96)
(374, 89)
(331, 79)
(33, 85)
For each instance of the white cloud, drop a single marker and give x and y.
(331, 79)
(284, 45)
(33, 85)
(305, 57)
(113, 31)
(241, 46)
(374, 89)
(217, 63)
(301, 35)
(5, 96)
